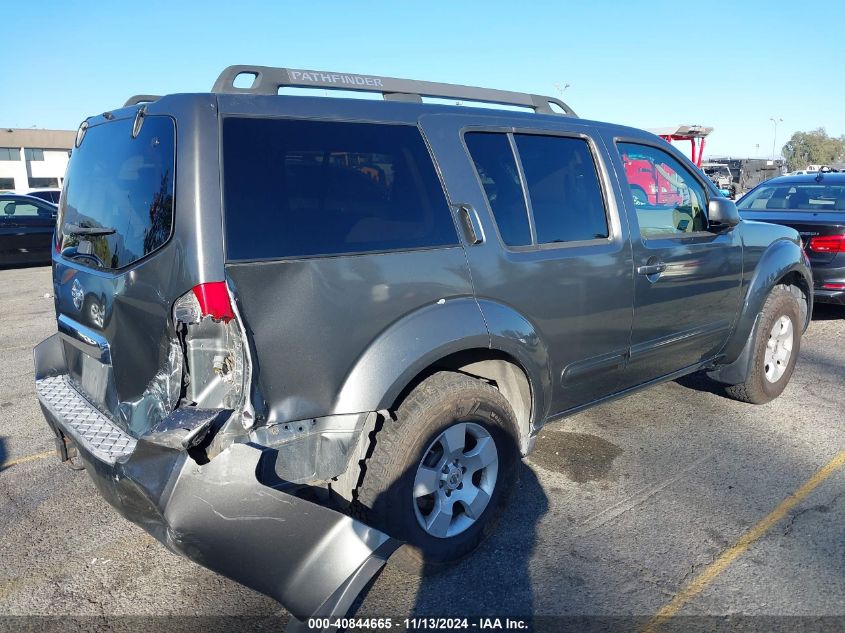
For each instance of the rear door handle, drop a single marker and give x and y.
(470, 224)
(651, 269)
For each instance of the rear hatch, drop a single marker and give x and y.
(809, 224)
(113, 269)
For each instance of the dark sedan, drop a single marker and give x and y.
(26, 229)
(814, 205)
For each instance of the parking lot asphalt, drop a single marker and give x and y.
(631, 507)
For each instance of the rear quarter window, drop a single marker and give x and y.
(295, 188)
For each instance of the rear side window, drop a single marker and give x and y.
(295, 188)
(498, 173)
(19, 209)
(563, 186)
(118, 195)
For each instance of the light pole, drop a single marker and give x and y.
(775, 139)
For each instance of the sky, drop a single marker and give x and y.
(732, 65)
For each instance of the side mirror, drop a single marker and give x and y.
(722, 213)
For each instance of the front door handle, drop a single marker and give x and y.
(651, 269)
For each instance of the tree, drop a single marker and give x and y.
(813, 148)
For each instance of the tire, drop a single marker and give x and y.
(410, 456)
(768, 374)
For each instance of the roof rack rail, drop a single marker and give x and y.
(267, 81)
(137, 99)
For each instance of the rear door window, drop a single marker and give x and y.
(563, 186)
(25, 213)
(118, 194)
(296, 188)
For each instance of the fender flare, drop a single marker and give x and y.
(433, 332)
(516, 336)
(780, 259)
(406, 348)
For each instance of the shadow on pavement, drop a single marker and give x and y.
(495, 581)
(700, 382)
(828, 312)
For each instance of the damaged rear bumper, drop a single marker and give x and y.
(311, 559)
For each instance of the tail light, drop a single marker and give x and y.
(827, 244)
(204, 300)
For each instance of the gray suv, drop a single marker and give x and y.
(300, 335)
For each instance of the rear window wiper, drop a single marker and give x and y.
(76, 229)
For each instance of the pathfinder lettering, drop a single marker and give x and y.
(331, 78)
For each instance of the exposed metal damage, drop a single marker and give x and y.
(221, 496)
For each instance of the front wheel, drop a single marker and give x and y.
(441, 472)
(775, 347)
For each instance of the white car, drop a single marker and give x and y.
(50, 194)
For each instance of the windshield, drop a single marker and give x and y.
(812, 197)
(117, 205)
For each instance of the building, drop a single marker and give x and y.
(34, 158)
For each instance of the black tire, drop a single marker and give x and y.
(756, 388)
(385, 496)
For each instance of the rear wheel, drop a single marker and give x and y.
(775, 347)
(441, 472)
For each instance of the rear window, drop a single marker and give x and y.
(118, 194)
(795, 197)
(294, 188)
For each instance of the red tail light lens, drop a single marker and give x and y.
(209, 299)
(213, 298)
(828, 244)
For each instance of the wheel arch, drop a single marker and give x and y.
(494, 366)
(500, 347)
(782, 263)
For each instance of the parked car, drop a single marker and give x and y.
(721, 176)
(27, 225)
(814, 205)
(51, 195)
(277, 313)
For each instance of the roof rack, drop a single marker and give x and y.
(137, 99)
(267, 81)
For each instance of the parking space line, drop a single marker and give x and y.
(26, 458)
(700, 582)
